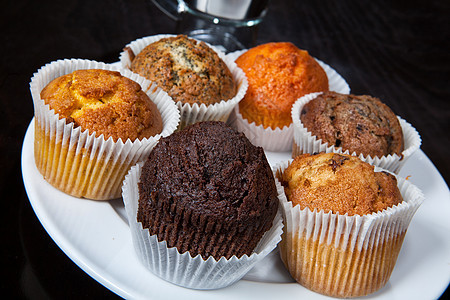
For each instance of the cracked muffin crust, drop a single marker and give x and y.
(188, 70)
(338, 183)
(104, 102)
(361, 124)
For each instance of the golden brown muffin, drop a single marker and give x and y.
(339, 183)
(188, 70)
(334, 254)
(278, 74)
(92, 125)
(104, 102)
(361, 124)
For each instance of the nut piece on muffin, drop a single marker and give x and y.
(339, 183)
(207, 190)
(360, 124)
(188, 70)
(278, 74)
(104, 102)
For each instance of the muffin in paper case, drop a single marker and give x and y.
(305, 142)
(74, 160)
(279, 139)
(192, 113)
(183, 269)
(344, 256)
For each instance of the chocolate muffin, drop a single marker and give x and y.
(361, 124)
(207, 190)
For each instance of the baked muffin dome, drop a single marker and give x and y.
(207, 190)
(344, 223)
(361, 124)
(104, 102)
(339, 183)
(278, 74)
(188, 70)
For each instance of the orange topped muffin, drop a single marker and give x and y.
(104, 102)
(278, 74)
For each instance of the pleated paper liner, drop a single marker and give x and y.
(75, 161)
(183, 269)
(279, 139)
(345, 256)
(192, 113)
(305, 142)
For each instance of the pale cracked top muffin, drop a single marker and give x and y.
(339, 183)
(188, 70)
(345, 223)
(104, 102)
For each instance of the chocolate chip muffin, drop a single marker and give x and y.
(361, 124)
(207, 190)
(188, 70)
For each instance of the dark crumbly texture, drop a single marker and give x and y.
(104, 102)
(207, 190)
(189, 71)
(339, 183)
(361, 124)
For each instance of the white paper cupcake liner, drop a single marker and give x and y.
(370, 242)
(305, 142)
(73, 159)
(183, 269)
(278, 139)
(192, 113)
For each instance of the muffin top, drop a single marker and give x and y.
(210, 180)
(338, 183)
(278, 74)
(104, 102)
(188, 70)
(361, 124)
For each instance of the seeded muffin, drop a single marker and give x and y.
(104, 102)
(344, 223)
(278, 74)
(188, 70)
(207, 190)
(360, 124)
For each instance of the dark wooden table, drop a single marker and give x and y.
(398, 51)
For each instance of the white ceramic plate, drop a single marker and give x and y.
(95, 235)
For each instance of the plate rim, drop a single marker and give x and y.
(111, 283)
